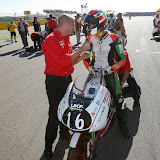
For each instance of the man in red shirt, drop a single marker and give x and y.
(52, 24)
(59, 58)
(125, 75)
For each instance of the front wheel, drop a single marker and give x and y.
(75, 154)
(84, 149)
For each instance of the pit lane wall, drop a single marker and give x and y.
(3, 25)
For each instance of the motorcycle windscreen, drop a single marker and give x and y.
(76, 118)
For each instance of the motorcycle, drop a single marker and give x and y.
(88, 113)
(156, 32)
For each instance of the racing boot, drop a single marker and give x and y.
(122, 120)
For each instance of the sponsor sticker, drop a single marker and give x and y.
(78, 107)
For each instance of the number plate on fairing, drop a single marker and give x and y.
(76, 118)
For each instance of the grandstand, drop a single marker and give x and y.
(139, 14)
(57, 12)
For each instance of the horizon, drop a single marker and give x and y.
(34, 6)
(22, 14)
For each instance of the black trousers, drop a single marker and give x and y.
(111, 86)
(56, 87)
(132, 89)
(36, 40)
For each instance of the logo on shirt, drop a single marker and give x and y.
(62, 43)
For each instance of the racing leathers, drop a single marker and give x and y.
(103, 55)
(156, 23)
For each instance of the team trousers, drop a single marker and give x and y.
(56, 87)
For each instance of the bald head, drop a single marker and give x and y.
(63, 19)
(65, 24)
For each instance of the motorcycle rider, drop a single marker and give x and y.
(102, 43)
(156, 24)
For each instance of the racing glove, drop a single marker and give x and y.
(94, 72)
(109, 70)
(91, 70)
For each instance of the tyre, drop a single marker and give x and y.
(84, 150)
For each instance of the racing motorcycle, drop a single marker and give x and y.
(156, 32)
(88, 114)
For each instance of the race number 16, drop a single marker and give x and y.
(79, 123)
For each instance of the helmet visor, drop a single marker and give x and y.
(89, 19)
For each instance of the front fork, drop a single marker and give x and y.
(84, 143)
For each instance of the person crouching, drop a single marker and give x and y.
(36, 38)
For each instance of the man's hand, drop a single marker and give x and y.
(85, 55)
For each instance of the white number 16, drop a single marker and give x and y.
(79, 123)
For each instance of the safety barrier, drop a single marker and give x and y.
(3, 25)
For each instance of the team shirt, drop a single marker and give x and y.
(57, 51)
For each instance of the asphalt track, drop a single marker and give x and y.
(24, 104)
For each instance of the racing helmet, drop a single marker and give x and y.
(96, 17)
(111, 15)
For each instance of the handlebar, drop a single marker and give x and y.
(97, 72)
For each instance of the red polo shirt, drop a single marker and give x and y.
(126, 67)
(52, 23)
(57, 52)
(33, 34)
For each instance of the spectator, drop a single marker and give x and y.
(46, 26)
(59, 58)
(111, 23)
(36, 24)
(119, 27)
(84, 26)
(36, 38)
(52, 24)
(23, 31)
(78, 28)
(12, 28)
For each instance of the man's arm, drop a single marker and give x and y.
(86, 46)
(154, 23)
(26, 23)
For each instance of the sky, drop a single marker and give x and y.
(19, 6)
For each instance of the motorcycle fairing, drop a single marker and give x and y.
(97, 110)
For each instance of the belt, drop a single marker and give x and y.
(57, 77)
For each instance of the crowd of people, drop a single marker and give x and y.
(37, 36)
